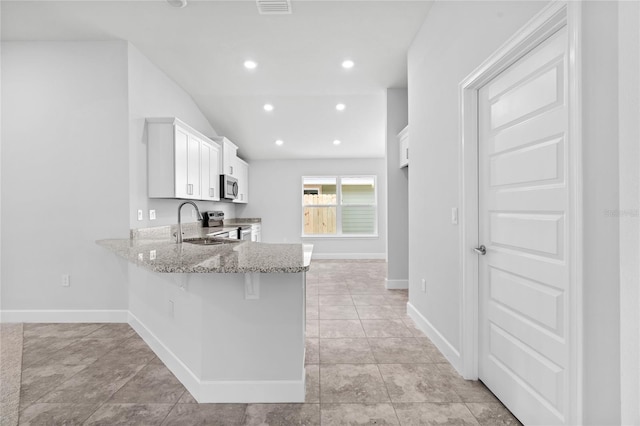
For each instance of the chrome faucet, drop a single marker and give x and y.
(179, 233)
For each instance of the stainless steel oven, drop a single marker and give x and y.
(228, 187)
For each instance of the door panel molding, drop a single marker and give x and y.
(557, 15)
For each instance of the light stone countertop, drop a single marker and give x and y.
(243, 221)
(163, 255)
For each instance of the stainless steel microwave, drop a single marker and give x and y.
(228, 187)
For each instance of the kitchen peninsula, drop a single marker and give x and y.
(227, 318)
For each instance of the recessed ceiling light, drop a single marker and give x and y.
(341, 107)
(250, 64)
(177, 3)
(279, 142)
(347, 64)
(268, 107)
(336, 142)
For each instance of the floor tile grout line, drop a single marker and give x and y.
(52, 388)
(100, 405)
(388, 393)
(174, 406)
(85, 368)
(69, 378)
(75, 339)
(42, 358)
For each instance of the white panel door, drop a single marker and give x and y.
(523, 205)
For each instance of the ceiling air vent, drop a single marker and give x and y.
(274, 7)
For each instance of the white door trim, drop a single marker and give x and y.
(556, 15)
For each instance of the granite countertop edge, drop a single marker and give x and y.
(165, 256)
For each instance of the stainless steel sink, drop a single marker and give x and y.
(205, 241)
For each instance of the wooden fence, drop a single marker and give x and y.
(316, 199)
(319, 220)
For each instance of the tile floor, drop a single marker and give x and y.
(366, 363)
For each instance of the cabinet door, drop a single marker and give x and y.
(229, 153)
(242, 175)
(193, 167)
(255, 233)
(209, 168)
(181, 147)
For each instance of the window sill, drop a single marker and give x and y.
(339, 237)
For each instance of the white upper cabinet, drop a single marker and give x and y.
(210, 171)
(403, 139)
(234, 166)
(177, 164)
(229, 155)
(242, 170)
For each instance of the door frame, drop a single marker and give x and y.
(556, 15)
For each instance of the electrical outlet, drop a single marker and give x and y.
(171, 309)
(152, 255)
(139, 214)
(65, 280)
(152, 215)
(424, 285)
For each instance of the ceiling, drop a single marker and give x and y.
(203, 46)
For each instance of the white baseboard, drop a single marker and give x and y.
(450, 353)
(339, 256)
(173, 363)
(51, 316)
(221, 391)
(252, 391)
(396, 284)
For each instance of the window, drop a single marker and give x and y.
(339, 206)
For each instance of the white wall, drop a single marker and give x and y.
(65, 173)
(275, 196)
(629, 158)
(455, 38)
(397, 189)
(601, 281)
(153, 94)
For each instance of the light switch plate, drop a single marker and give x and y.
(454, 215)
(152, 215)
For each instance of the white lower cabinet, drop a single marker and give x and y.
(182, 162)
(256, 232)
